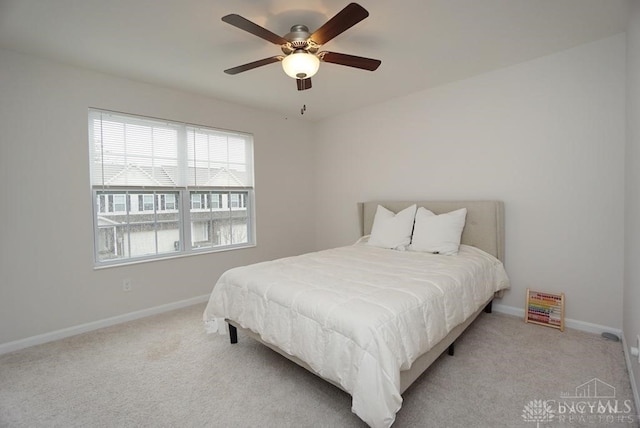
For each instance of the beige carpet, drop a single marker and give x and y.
(164, 371)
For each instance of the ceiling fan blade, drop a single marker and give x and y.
(254, 64)
(350, 60)
(253, 28)
(342, 21)
(304, 84)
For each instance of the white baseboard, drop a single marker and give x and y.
(107, 322)
(570, 323)
(628, 359)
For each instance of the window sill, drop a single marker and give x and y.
(170, 257)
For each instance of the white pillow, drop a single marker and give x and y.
(439, 234)
(392, 230)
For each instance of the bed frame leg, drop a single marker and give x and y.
(451, 349)
(233, 334)
(488, 308)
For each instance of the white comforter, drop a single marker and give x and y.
(358, 315)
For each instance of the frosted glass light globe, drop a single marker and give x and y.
(300, 65)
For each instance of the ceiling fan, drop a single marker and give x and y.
(301, 58)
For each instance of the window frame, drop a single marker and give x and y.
(184, 247)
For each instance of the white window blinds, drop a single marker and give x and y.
(131, 151)
(218, 159)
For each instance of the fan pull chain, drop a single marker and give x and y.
(303, 109)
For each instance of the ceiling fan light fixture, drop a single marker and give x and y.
(300, 64)
(301, 57)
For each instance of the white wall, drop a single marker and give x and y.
(47, 280)
(546, 137)
(632, 229)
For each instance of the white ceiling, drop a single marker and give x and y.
(184, 44)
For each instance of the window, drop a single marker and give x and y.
(165, 188)
(216, 201)
(109, 203)
(166, 202)
(238, 200)
(197, 201)
(145, 202)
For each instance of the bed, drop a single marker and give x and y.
(368, 320)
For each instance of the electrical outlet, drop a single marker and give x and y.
(126, 284)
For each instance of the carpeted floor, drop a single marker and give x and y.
(165, 371)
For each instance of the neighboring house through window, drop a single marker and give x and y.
(165, 188)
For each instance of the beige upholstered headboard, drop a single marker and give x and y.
(484, 227)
